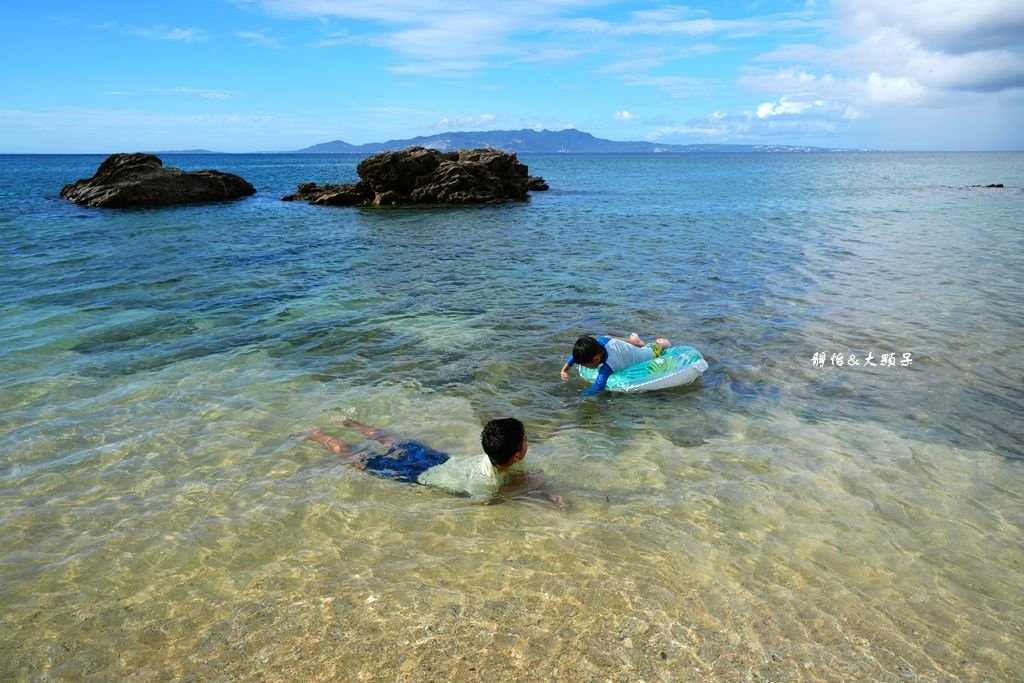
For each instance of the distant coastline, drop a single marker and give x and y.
(567, 141)
(527, 141)
(184, 151)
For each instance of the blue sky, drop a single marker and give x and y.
(264, 75)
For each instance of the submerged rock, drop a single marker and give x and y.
(138, 180)
(421, 176)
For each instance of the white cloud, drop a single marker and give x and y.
(667, 14)
(624, 115)
(805, 92)
(452, 68)
(673, 133)
(643, 61)
(672, 36)
(552, 55)
(749, 127)
(259, 39)
(686, 21)
(160, 32)
(676, 86)
(197, 92)
(795, 82)
(386, 11)
(851, 113)
(943, 45)
(989, 71)
(480, 121)
(649, 26)
(451, 38)
(799, 53)
(476, 36)
(635, 65)
(444, 38)
(786, 106)
(336, 38)
(900, 90)
(885, 59)
(951, 26)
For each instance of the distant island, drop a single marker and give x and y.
(183, 151)
(529, 141)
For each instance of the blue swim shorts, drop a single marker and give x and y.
(404, 461)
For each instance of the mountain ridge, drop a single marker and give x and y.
(568, 140)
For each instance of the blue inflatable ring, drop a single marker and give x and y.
(679, 365)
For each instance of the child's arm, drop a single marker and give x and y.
(564, 372)
(540, 482)
(634, 339)
(535, 481)
(602, 379)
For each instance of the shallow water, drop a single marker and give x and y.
(781, 519)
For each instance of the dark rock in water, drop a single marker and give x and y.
(420, 176)
(137, 180)
(333, 195)
(536, 184)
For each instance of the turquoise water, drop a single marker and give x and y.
(783, 518)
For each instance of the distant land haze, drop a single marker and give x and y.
(569, 140)
(541, 141)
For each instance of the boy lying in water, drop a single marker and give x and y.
(495, 473)
(611, 354)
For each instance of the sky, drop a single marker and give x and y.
(279, 75)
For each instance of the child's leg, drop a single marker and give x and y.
(659, 345)
(366, 430)
(339, 448)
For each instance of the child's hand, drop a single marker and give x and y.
(558, 501)
(564, 375)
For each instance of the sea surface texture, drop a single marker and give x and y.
(841, 497)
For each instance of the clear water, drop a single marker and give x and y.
(781, 519)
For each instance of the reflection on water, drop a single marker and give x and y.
(777, 520)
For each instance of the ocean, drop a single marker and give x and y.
(841, 497)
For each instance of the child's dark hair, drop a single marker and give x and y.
(501, 439)
(585, 348)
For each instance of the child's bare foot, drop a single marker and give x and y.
(634, 337)
(366, 430)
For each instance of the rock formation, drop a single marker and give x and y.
(138, 180)
(420, 176)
